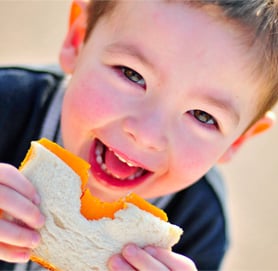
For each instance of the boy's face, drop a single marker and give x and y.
(163, 87)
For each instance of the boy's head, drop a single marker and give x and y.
(161, 90)
(257, 20)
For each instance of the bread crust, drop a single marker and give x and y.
(71, 242)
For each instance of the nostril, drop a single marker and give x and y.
(132, 136)
(145, 133)
(129, 128)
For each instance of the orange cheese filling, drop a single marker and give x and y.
(43, 263)
(92, 207)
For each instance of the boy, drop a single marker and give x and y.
(159, 92)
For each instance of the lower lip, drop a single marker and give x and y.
(108, 180)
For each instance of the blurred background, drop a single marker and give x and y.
(31, 32)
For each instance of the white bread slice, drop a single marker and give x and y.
(70, 242)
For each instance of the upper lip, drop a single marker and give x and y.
(127, 157)
(120, 157)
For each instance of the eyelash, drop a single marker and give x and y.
(130, 75)
(204, 118)
(197, 114)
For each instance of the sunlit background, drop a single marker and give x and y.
(31, 33)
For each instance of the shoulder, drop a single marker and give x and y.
(27, 88)
(27, 83)
(208, 192)
(22, 76)
(54, 69)
(201, 211)
(25, 95)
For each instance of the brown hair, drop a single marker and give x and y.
(95, 10)
(257, 18)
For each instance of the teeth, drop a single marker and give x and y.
(103, 167)
(99, 151)
(131, 177)
(99, 159)
(123, 160)
(139, 173)
(136, 174)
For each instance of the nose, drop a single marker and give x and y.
(146, 129)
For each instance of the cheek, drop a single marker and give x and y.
(88, 103)
(194, 158)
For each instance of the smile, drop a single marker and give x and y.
(112, 168)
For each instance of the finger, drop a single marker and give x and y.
(14, 254)
(13, 234)
(142, 260)
(11, 177)
(118, 263)
(173, 260)
(20, 207)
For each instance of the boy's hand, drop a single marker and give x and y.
(19, 215)
(149, 258)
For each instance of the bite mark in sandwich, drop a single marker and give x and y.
(81, 232)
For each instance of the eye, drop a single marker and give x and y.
(203, 117)
(132, 75)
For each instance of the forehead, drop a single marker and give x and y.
(163, 17)
(176, 39)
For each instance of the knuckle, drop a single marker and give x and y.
(4, 196)
(13, 234)
(22, 236)
(11, 177)
(25, 238)
(35, 218)
(5, 171)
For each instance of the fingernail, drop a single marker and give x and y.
(116, 262)
(40, 222)
(130, 249)
(35, 239)
(150, 250)
(37, 199)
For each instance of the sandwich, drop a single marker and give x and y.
(81, 232)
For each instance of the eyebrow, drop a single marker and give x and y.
(136, 52)
(224, 105)
(131, 50)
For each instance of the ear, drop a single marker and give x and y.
(262, 125)
(75, 36)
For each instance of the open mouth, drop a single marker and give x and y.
(111, 168)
